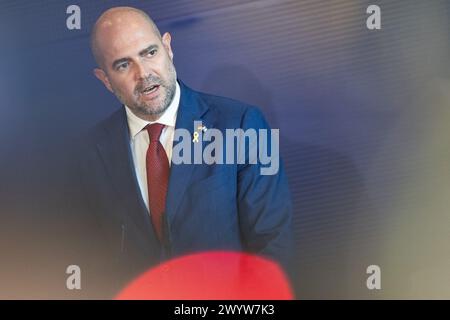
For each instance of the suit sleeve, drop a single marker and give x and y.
(264, 202)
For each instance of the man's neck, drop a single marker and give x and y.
(149, 117)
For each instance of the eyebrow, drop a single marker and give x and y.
(119, 61)
(149, 48)
(141, 53)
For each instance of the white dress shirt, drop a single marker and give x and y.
(139, 139)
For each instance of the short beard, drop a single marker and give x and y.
(169, 85)
(170, 93)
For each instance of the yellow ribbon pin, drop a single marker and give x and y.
(195, 137)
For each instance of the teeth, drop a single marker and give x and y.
(149, 89)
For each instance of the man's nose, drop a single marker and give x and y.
(142, 72)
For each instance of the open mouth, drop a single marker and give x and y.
(150, 89)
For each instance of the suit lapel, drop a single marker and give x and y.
(191, 109)
(114, 148)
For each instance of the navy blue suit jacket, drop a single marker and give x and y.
(208, 207)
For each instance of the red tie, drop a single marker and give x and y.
(157, 177)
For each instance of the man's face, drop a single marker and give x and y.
(137, 66)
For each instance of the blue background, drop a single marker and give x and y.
(352, 106)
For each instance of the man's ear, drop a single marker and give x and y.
(101, 75)
(166, 38)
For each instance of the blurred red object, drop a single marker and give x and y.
(218, 275)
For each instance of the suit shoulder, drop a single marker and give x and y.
(89, 137)
(112, 120)
(228, 105)
(228, 108)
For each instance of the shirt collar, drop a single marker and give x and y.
(169, 117)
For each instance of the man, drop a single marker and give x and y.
(142, 207)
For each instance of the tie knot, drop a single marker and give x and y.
(154, 131)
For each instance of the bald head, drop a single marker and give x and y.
(135, 61)
(114, 20)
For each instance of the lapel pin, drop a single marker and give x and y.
(195, 139)
(196, 135)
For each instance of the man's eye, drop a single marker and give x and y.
(151, 53)
(122, 66)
